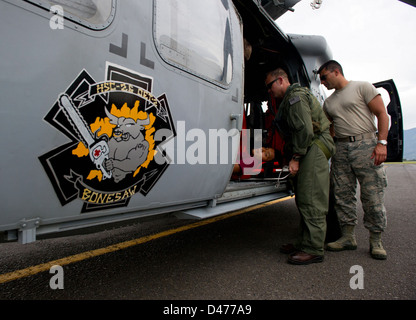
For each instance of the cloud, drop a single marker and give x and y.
(372, 39)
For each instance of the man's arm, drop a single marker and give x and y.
(377, 108)
(331, 126)
(300, 122)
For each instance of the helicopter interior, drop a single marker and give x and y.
(266, 48)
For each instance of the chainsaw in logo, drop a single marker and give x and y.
(99, 150)
(111, 125)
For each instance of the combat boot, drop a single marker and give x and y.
(346, 242)
(376, 247)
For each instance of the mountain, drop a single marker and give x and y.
(409, 152)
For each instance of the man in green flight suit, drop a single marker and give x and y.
(308, 145)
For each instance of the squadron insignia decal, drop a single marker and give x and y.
(113, 128)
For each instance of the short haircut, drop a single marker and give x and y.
(331, 65)
(279, 72)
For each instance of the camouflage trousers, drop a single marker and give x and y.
(351, 163)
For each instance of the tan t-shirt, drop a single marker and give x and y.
(348, 109)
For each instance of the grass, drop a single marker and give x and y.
(405, 162)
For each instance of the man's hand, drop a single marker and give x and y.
(379, 154)
(293, 167)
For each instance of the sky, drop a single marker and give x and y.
(373, 40)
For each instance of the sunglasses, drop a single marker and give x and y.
(323, 77)
(270, 84)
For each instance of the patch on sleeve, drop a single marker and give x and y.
(294, 100)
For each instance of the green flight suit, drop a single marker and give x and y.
(301, 120)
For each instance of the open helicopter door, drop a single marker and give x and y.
(391, 99)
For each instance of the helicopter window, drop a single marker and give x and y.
(94, 14)
(195, 35)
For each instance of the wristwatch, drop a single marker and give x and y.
(382, 142)
(296, 158)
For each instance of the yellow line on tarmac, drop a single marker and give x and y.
(30, 271)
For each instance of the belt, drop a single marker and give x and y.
(369, 135)
(323, 147)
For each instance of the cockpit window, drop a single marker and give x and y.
(94, 14)
(195, 35)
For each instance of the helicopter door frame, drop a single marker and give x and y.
(395, 136)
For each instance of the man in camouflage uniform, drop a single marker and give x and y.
(308, 145)
(360, 154)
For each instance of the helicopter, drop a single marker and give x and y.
(118, 110)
